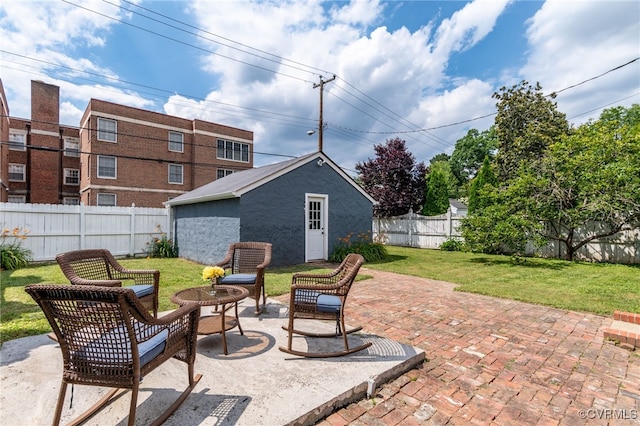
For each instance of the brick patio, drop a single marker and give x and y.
(490, 361)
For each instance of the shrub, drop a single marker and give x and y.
(452, 244)
(12, 254)
(162, 246)
(362, 244)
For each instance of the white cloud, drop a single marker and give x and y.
(572, 41)
(398, 71)
(358, 12)
(469, 25)
(388, 80)
(43, 39)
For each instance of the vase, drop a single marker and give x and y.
(214, 285)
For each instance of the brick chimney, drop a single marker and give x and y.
(45, 143)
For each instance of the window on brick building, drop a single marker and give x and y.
(176, 142)
(175, 173)
(107, 130)
(17, 140)
(230, 150)
(107, 167)
(222, 173)
(108, 200)
(71, 177)
(17, 172)
(71, 201)
(72, 147)
(16, 199)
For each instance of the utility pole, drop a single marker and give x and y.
(320, 122)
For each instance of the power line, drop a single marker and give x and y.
(112, 79)
(603, 106)
(197, 35)
(395, 131)
(147, 138)
(185, 43)
(314, 69)
(598, 76)
(495, 113)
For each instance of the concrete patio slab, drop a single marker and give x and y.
(256, 384)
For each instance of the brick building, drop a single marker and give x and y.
(4, 147)
(118, 156)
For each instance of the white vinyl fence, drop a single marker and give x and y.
(623, 247)
(415, 230)
(56, 228)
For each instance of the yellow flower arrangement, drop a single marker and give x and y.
(211, 272)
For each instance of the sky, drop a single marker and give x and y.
(423, 71)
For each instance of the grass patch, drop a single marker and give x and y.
(588, 287)
(20, 316)
(600, 288)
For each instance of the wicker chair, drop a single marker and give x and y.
(323, 297)
(246, 262)
(99, 267)
(108, 338)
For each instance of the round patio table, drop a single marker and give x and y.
(225, 297)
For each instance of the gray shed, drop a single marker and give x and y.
(302, 206)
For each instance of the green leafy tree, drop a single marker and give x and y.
(588, 185)
(470, 151)
(585, 187)
(442, 157)
(445, 169)
(393, 179)
(526, 124)
(483, 183)
(437, 194)
(500, 227)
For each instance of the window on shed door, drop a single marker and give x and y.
(314, 215)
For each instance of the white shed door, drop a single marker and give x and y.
(316, 236)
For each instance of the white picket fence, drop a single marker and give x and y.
(415, 230)
(56, 228)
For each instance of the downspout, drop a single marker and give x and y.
(28, 165)
(60, 167)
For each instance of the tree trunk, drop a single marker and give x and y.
(569, 243)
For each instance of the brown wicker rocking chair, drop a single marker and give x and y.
(246, 262)
(108, 338)
(323, 297)
(99, 267)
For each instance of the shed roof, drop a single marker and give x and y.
(457, 204)
(236, 184)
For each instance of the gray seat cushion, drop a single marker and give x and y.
(328, 303)
(97, 349)
(142, 289)
(238, 279)
(324, 302)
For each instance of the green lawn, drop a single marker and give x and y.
(590, 287)
(597, 288)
